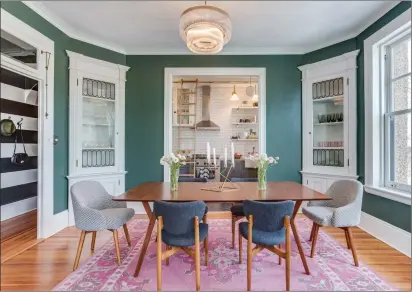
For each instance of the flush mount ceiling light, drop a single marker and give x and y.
(234, 97)
(205, 29)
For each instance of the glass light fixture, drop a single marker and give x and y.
(205, 29)
(234, 97)
(255, 96)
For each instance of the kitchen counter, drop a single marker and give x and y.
(240, 171)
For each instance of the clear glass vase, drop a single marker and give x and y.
(174, 179)
(261, 179)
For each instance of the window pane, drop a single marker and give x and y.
(401, 94)
(401, 58)
(18, 50)
(400, 145)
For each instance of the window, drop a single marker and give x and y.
(387, 60)
(397, 114)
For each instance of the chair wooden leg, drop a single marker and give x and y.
(116, 244)
(347, 238)
(240, 247)
(79, 250)
(197, 253)
(280, 258)
(126, 233)
(159, 253)
(315, 238)
(167, 260)
(287, 251)
(206, 243)
(93, 240)
(352, 246)
(249, 253)
(233, 231)
(312, 231)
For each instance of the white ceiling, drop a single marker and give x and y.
(259, 27)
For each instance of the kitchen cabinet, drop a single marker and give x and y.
(240, 171)
(329, 121)
(96, 123)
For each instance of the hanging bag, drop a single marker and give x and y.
(19, 158)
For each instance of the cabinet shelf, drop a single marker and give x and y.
(98, 148)
(328, 148)
(96, 124)
(327, 99)
(99, 98)
(329, 124)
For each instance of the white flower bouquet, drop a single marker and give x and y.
(174, 162)
(262, 163)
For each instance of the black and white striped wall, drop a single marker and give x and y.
(18, 182)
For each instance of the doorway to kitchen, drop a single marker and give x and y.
(224, 108)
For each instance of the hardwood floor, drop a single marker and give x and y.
(16, 225)
(44, 265)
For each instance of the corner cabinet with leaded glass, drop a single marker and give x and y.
(329, 121)
(96, 139)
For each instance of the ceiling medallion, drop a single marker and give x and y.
(205, 29)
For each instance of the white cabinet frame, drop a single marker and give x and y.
(111, 177)
(340, 66)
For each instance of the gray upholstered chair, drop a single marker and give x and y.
(179, 228)
(268, 227)
(94, 210)
(237, 209)
(343, 211)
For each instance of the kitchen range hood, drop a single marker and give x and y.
(206, 123)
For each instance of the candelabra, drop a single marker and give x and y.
(222, 186)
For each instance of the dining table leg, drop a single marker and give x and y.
(296, 236)
(149, 231)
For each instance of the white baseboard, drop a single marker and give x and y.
(397, 238)
(59, 222)
(17, 208)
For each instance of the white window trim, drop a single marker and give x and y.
(373, 61)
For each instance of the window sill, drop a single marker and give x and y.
(395, 195)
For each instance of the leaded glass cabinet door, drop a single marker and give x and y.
(97, 122)
(328, 112)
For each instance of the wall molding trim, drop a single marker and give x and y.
(395, 237)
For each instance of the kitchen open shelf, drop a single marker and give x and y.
(241, 140)
(244, 123)
(184, 126)
(245, 107)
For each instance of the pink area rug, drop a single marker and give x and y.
(331, 269)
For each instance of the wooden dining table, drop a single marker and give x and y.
(194, 191)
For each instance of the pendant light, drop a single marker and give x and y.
(255, 96)
(234, 94)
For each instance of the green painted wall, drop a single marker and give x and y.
(144, 107)
(61, 88)
(144, 111)
(390, 211)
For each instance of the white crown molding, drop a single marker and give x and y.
(82, 57)
(70, 31)
(350, 56)
(66, 28)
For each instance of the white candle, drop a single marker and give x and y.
(233, 154)
(225, 156)
(214, 156)
(208, 152)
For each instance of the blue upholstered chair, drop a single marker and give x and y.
(194, 179)
(268, 227)
(343, 211)
(179, 228)
(237, 209)
(94, 210)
